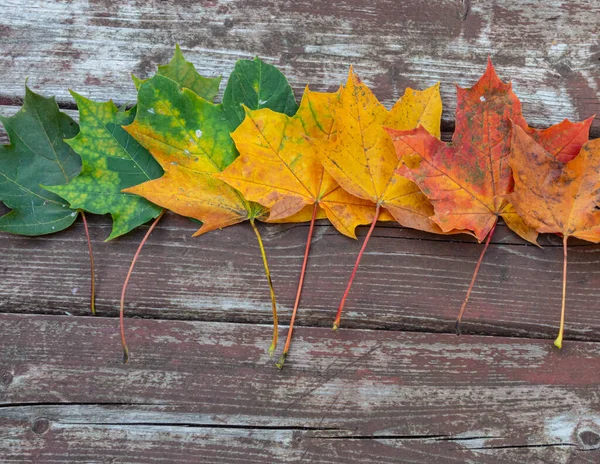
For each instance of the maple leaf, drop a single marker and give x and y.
(279, 167)
(189, 137)
(362, 159)
(184, 73)
(113, 160)
(557, 194)
(38, 155)
(563, 141)
(467, 181)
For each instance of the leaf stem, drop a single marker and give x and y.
(288, 340)
(92, 272)
(561, 330)
(336, 322)
(273, 302)
(122, 308)
(464, 305)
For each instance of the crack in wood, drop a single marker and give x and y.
(51, 404)
(386, 437)
(468, 328)
(463, 9)
(536, 445)
(206, 426)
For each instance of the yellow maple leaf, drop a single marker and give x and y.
(361, 156)
(362, 159)
(280, 168)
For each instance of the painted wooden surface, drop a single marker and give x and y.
(408, 280)
(550, 49)
(207, 392)
(394, 384)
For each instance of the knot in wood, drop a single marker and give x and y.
(41, 425)
(6, 378)
(589, 439)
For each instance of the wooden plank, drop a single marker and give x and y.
(93, 46)
(407, 280)
(197, 391)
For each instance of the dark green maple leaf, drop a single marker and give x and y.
(257, 85)
(37, 155)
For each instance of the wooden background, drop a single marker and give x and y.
(394, 384)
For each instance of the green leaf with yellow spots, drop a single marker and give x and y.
(184, 73)
(190, 138)
(112, 161)
(37, 155)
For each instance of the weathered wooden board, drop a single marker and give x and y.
(200, 387)
(207, 392)
(550, 49)
(407, 280)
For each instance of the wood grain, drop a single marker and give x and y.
(207, 392)
(408, 280)
(393, 385)
(549, 49)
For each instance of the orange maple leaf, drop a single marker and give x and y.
(557, 194)
(468, 180)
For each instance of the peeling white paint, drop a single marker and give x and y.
(565, 427)
(475, 439)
